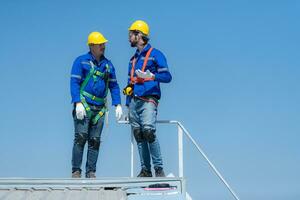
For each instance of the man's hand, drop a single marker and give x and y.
(119, 112)
(80, 111)
(144, 75)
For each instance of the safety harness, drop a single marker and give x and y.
(93, 73)
(133, 79)
(128, 90)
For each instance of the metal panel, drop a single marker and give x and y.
(83, 194)
(91, 189)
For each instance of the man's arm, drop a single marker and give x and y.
(114, 86)
(163, 75)
(76, 80)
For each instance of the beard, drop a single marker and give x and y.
(133, 43)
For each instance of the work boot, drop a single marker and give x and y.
(159, 172)
(145, 173)
(76, 174)
(90, 174)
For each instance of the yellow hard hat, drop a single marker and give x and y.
(140, 25)
(96, 38)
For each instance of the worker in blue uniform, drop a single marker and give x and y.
(147, 69)
(91, 77)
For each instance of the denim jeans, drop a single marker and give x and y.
(86, 132)
(142, 115)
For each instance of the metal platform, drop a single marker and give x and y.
(129, 188)
(92, 189)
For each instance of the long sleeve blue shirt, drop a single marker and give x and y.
(81, 68)
(157, 64)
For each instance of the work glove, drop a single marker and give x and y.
(119, 112)
(80, 111)
(146, 74)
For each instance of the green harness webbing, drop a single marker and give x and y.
(93, 73)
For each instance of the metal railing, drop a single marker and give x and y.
(181, 129)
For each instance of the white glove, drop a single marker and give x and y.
(80, 111)
(146, 74)
(119, 112)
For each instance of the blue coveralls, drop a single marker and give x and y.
(85, 131)
(142, 114)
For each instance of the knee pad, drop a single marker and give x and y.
(149, 135)
(80, 139)
(138, 135)
(94, 143)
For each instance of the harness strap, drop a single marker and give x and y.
(84, 94)
(133, 79)
(148, 100)
(99, 115)
(94, 98)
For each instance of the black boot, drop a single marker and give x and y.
(145, 173)
(90, 174)
(76, 174)
(159, 172)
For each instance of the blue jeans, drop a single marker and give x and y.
(142, 117)
(86, 132)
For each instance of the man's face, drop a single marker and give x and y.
(133, 38)
(97, 49)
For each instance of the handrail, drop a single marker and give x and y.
(181, 130)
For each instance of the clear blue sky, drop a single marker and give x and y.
(235, 67)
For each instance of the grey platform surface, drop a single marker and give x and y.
(92, 189)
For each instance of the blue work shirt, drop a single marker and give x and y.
(157, 64)
(81, 68)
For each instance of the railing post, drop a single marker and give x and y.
(180, 151)
(182, 130)
(131, 158)
(210, 163)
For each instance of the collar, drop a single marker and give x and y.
(93, 59)
(145, 49)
